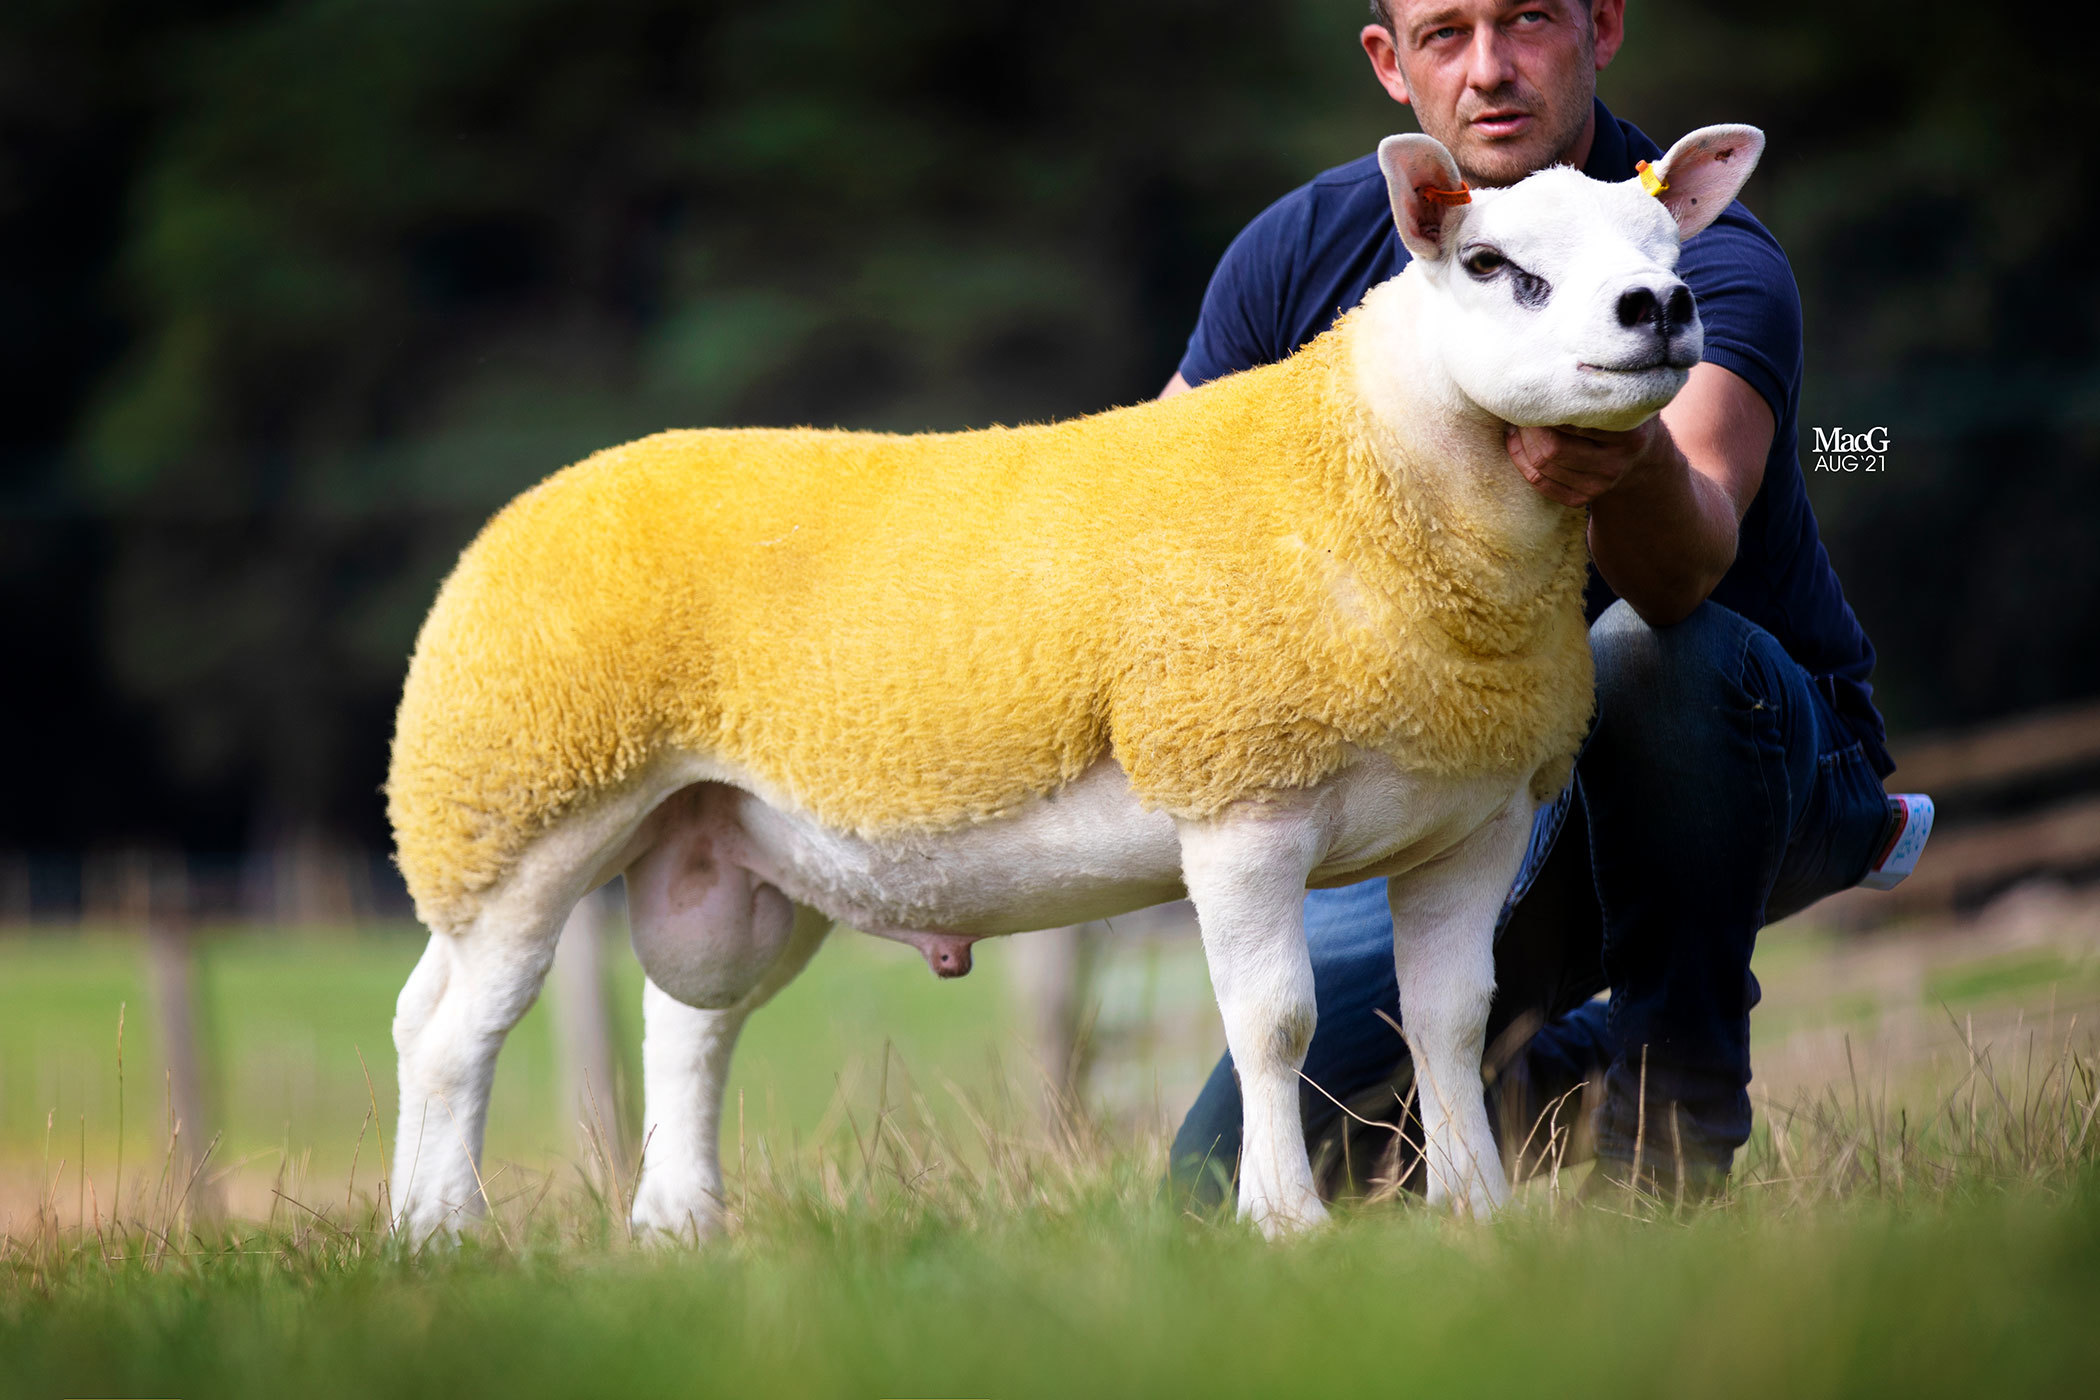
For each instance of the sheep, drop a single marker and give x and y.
(1303, 626)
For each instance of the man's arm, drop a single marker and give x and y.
(1176, 385)
(1666, 498)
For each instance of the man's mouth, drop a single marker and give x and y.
(1501, 123)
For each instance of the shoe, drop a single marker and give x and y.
(1902, 842)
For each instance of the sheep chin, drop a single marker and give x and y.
(1623, 399)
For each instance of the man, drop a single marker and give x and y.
(1734, 770)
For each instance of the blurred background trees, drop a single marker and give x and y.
(295, 294)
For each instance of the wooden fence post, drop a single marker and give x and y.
(1052, 975)
(162, 899)
(583, 1032)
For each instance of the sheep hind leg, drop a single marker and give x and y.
(685, 1071)
(717, 943)
(465, 994)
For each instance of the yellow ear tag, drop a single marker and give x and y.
(1650, 181)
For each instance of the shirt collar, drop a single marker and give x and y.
(1616, 146)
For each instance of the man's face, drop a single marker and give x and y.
(1506, 86)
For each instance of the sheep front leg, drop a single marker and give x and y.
(1246, 875)
(1444, 953)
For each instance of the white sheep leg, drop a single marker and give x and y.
(1246, 875)
(465, 994)
(1444, 952)
(685, 1068)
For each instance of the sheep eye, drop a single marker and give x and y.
(1485, 262)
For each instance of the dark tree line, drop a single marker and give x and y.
(294, 294)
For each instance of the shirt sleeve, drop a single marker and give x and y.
(1749, 305)
(1241, 324)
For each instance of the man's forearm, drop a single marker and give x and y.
(1665, 500)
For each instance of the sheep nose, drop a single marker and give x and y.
(1677, 308)
(1638, 308)
(1670, 312)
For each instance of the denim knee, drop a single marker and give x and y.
(1656, 672)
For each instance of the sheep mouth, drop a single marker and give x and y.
(1648, 366)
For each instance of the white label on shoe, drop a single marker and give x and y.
(1914, 815)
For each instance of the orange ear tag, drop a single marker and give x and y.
(1650, 181)
(1447, 198)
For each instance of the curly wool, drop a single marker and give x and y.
(1229, 591)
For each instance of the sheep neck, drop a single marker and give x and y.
(1502, 559)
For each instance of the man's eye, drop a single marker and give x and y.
(1438, 36)
(1484, 262)
(1533, 17)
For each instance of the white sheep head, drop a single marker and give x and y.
(1557, 299)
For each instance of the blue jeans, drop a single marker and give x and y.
(1718, 790)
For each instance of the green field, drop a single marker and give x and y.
(1907, 1222)
(292, 1024)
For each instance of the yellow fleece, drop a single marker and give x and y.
(1227, 590)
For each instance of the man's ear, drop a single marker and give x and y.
(1429, 200)
(1702, 173)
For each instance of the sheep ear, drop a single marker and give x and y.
(1702, 173)
(1429, 199)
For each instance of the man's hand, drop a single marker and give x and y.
(1665, 498)
(1577, 465)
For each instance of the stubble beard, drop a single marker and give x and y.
(1555, 130)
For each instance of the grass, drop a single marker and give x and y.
(1862, 1250)
(908, 1235)
(2009, 975)
(1106, 1296)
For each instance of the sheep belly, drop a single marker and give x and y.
(1088, 851)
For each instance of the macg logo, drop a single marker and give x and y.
(1837, 450)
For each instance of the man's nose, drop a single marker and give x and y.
(1488, 64)
(1666, 309)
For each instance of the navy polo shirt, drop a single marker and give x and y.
(1313, 254)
